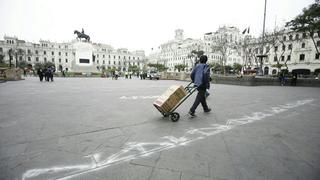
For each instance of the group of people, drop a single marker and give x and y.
(46, 73)
(284, 79)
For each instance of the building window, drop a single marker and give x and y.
(302, 56)
(103, 56)
(114, 57)
(290, 46)
(52, 53)
(282, 58)
(36, 51)
(66, 60)
(283, 47)
(59, 53)
(288, 57)
(98, 61)
(109, 56)
(29, 58)
(59, 60)
(275, 59)
(297, 36)
(318, 43)
(114, 62)
(284, 38)
(44, 52)
(119, 57)
(317, 55)
(304, 35)
(66, 54)
(290, 37)
(29, 51)
(276, 48)
(52, 60)
(37, 59)
(109, 62)
(303, 45)
(103, 62)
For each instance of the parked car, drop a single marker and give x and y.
(153, 75)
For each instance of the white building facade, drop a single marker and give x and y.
(65, 56)
(178, 51)
(294, 51)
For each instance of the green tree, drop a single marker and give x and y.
(225, 48)
(180, 67)
(196, 54)
(38, 66)
(237, 67)
(22, 64)
(48, 64)
(134, 68)
(308, 21)
(158, 67)
(227, 68)
(103, 68)
(216, 67)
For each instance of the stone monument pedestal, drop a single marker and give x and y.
(83, 58)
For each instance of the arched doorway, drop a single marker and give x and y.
(60, 68)
(274, 72)
(266, 71)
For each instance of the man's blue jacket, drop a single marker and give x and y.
(200, 76)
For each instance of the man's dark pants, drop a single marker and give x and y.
(201, 98)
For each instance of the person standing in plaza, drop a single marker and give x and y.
(40, 74)
(200, 76)
(294, 79)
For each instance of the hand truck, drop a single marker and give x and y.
(190, 88)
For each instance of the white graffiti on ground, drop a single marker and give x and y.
(134, 150)
(137, 97)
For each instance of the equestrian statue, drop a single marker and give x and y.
(82, 35)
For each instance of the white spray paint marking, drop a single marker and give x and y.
(137, 97)
(51, 170)
(134, 150)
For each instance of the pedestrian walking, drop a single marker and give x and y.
(200, 76)
(40, 74)
(294, 79)
(50, 73)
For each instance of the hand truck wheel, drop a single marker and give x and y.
(175, 117)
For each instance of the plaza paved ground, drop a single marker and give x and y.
(99, 129)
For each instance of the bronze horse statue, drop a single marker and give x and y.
(82, 35)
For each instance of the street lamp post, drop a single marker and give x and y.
(262, 42)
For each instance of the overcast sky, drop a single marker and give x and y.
(138, 24)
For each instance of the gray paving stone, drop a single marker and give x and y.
(92, 128)
(123, 171)
(159, 174)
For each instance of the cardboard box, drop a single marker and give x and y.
(170, 98)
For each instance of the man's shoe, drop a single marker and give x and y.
(208, 110)
(191, 114)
